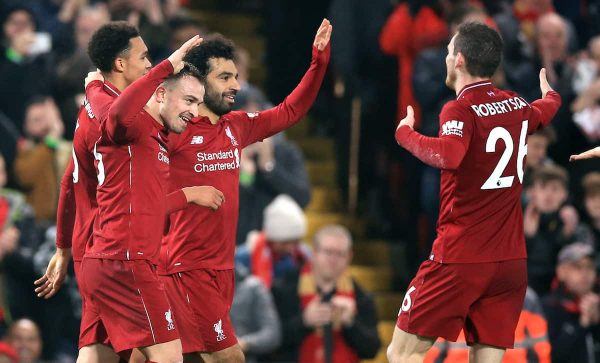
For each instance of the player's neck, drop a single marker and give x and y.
(117, 81)
(152, 108)
(206, 112)
(463, 80)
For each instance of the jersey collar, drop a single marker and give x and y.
(111, 89)
(473, 86)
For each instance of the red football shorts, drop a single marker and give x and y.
(483, 298)
(130, 302)
(91, 330)
(201, 301)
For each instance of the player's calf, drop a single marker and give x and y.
(169, 352)
(97, 353)
(232, 354)
(408, 348)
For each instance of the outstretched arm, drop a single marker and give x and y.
(56, 272)
(544, 109)
(297, 104)
(442, 153)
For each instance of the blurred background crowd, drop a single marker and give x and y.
(336, 190)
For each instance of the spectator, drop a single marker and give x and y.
(267, 169)
(278, 248)
(254, 316)
(148, 17)
(585, 106)
(549, 224)
(8, 354)
(326, 315)
(573, 307)
(72, 70)
(24, 336)
(591, 204)
(42, 157)
(12, 207)
(537, 152)
(531, 339)
(23, 72)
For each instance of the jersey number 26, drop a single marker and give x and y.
(496, 180)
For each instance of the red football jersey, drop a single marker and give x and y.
(77, 201)
(481, 150)
(132, 163)
(207, 154)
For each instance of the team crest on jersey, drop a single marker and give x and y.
(231, 137)
(197, 140)
(252, 114)
(169, 319)
(219, 330)
(453, 127)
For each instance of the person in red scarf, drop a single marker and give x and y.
(573, 307)
(271, 253)
(327, 317)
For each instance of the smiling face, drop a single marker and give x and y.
(135, 63)
(221, 86)
(179, 102)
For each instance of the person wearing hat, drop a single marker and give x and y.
(573, 307)
(277, 249)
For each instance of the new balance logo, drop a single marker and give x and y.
(169, 319)
(453, 127)
(197, 140)
(219, 330)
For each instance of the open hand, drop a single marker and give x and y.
(544, 85)
(323, 35)
(176, 58)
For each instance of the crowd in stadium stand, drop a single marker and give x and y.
(385, 54)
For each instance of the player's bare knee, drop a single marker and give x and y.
(230, 355)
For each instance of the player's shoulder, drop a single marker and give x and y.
(460, 107)
(240, 116)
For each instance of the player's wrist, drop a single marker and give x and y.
(64, 252)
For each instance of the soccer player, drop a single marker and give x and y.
(121, 55)
(197, 256)
(132, 162)
(475, 278)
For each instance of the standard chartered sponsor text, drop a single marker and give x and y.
(225, 160)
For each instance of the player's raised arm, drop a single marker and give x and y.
(544, 109)
(121, 126)
(301, 99)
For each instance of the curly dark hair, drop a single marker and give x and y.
(109, 42)
(215, 46)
